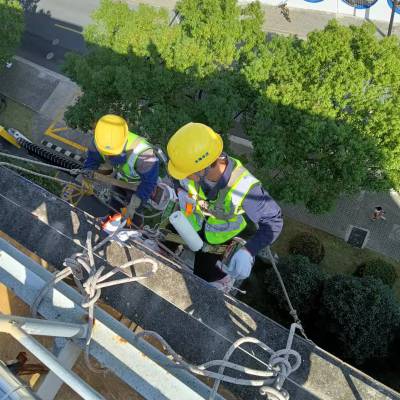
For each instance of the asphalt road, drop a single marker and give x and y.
(54, 27)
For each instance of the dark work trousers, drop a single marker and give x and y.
(205, 263)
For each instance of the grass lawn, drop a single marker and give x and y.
(17, 116)
(340, 257)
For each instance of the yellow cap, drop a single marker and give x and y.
(110, 135)
(192, 148)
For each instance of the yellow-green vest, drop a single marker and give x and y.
(135, 145)
(227, 220)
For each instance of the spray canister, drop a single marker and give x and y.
(163, 199)
(186, 231)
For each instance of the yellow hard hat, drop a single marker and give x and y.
(192, 148)
(110, 135)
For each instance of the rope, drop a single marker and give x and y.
(278, 367)
(53, 178)
(81, 264)
(81, 190)
(292, 311)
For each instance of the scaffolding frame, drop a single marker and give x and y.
(148, 371)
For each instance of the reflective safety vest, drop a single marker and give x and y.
(227, 220)
(134, 146)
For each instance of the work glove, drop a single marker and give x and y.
(134, 203)
(240, 265)
(185, 200)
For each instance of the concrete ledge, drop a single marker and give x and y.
(197, 320)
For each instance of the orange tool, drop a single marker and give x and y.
(189, 208)
(128, 220)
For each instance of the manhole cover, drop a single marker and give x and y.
(357, 237)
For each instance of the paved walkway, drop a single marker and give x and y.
(305, 21)
(384, 235)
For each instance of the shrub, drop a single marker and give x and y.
(303, 281)
(308, 246)
(360, 317)
(378, 269)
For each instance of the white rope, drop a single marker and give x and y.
(95, 281)
(278, 368)
(292, 311)
(64, 181)
(28, 171)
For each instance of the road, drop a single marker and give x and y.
(54, 27)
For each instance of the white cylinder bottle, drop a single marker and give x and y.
(186, 231)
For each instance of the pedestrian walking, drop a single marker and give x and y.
(378, 214)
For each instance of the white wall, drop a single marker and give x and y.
(380, 11)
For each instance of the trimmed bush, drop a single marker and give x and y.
(308, 246)
(360, 316)
(378, 269)
(303, 281)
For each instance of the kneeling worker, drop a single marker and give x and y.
(129, 155)
(210, 179)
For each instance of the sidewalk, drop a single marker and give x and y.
(44, 94)
(384, 235)
(302, 21)
(306, 21)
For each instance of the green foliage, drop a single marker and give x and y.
(308, 246)
(361, 316)
(11, 28)
(303, 281)
(321, 113)
(378, 269)
(160, 77)
(326, 120)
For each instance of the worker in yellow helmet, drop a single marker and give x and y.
(225, 196)
(130, 156)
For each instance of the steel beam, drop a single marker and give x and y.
(49, 360)
(140, 365)
(51, 384)
(11, 388)
(41, 327)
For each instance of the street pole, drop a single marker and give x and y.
(395, 3)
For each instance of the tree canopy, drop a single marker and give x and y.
(159, 75)
(361, 315)
(321, 113)
(11, 28)
(326, 121)
(303, 280)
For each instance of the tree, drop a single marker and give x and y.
(160, 76)
(303, 281)
(307, 245)
(326, 119)
(11, 28)
(378, 269)
(360, 315)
